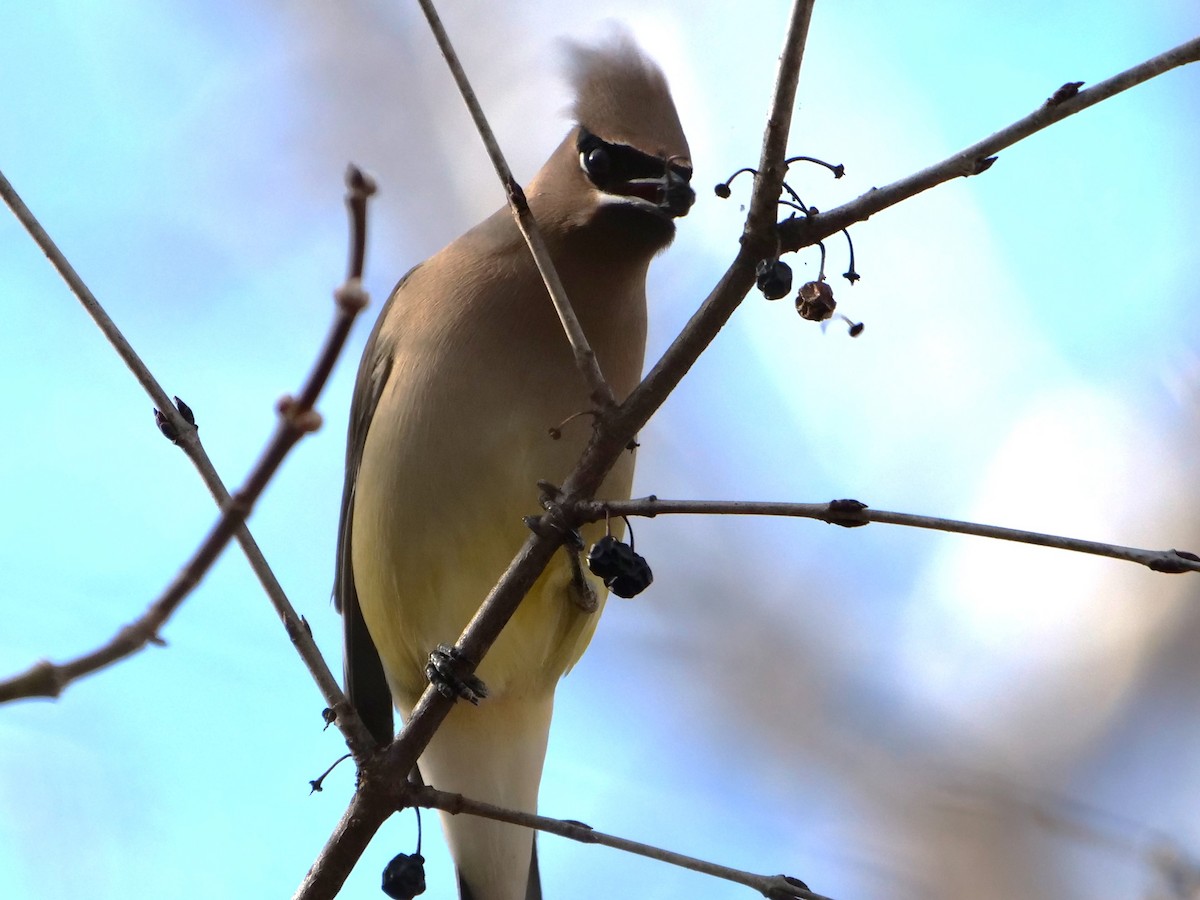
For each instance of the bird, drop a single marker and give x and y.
(466, 371)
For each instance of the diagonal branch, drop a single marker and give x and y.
(92, 306)
(796, 233)
(46, 679)
(297, 417)
(851, 513)
(772, 168)
(779, 887)
(759, 241)
(585, 357)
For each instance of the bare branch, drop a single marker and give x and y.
(768, 183)
(369, 808)
(851, 513)
(92, 305)
(805, 231)
(775, 886)
(298, 417)
(46, 679)
(585, 357)
(759, 241)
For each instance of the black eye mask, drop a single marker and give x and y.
(627, 172)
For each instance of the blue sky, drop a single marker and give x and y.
(788, 696)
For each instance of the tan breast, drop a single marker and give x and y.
(459, 439)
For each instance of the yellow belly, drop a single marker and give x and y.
(412, 604)
(427, 549)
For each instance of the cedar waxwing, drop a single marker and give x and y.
(466, 370)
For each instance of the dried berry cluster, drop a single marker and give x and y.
(814, 299)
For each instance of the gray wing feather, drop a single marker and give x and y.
(366, 684)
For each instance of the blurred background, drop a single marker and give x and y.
(884, 713)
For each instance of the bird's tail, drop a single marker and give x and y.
(533, 888)
(492, 752)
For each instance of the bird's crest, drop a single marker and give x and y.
(622, 96)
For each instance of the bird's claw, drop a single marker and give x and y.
(555, 520)
(571, 536)
(582, 594)
(444, 672)
(550, 492)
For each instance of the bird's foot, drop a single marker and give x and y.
(580, 590)
(582, 594)
(549, 493)
(444, 672)
(555, 521)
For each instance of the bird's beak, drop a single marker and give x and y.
(669, 193)
(677, 195)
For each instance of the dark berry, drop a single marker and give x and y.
(774, 278)
(404, 876)
(624, 571)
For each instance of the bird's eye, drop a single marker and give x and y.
(597, 163)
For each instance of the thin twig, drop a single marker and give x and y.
(804, 232)
(759, 241)
(357, 736)
(585, 357)
(47, 679)
(850, 513)
(92, 306)
(772, 169)
(774, 886)
(369, 808)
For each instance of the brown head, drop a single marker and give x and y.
(623, 172)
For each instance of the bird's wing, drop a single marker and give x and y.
(366, 685)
